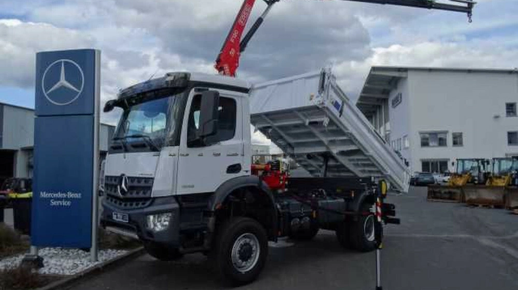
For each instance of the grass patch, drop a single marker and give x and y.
(113, 241)
(22, 278)
(11, 242)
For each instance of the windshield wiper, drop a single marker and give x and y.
(146, 139)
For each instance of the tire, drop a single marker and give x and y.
(162, 252)
(343, 234)
(239, 251)
(305, 235)
(362, 237)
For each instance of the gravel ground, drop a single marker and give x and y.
(64, 262)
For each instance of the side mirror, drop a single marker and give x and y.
(208, 114)
(108, 107)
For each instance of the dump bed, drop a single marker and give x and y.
(311, 119)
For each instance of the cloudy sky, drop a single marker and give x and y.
(140, 38)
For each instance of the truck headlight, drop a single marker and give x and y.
(158, 222)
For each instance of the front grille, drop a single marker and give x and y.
(138, 193)
(128, 204)
(138, 187)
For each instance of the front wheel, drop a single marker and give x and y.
(162, 252)
(240, 251)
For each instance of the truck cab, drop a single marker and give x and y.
(180, 135)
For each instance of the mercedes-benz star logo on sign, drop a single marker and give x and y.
(122, 187)
(62, 82)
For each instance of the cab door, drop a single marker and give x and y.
(203, 168)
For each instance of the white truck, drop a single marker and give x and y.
(178, 174)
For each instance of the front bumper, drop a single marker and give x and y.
(136, 224)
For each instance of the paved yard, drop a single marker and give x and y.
(437, 246)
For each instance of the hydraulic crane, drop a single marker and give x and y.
(228, 58)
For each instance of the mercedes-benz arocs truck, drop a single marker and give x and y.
(178, 173)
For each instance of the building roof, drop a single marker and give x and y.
(16, 106)
(383, 79)
(32, 110)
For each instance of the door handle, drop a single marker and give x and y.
(172, 154)
(184, 154)
(216, 154)
(233, 154)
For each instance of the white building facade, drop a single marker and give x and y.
(433, 116)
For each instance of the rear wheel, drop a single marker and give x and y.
(240, 251)
(362, 232)
(162, 252)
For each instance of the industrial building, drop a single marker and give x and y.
(433, 116)
(17, 141)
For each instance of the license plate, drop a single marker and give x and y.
(120, 217)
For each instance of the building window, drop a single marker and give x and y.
(457, 139)
(397, 100)
(406, 142)
(394, 144)
(510, 109)
(512, 138)
(434, 166)
(434, 139)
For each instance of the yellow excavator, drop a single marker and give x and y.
(468, 171)
(494, 191)
(511, 191)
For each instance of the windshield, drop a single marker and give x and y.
(504, 166)
(149, 125)
(465, 166)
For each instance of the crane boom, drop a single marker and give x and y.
(228, 58)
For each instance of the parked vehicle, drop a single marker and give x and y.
(186, 186)
(413, 178)
(511, 200)
(15, 188)
(498, 185)
(424, 179)
(442, 178)
(468, 171)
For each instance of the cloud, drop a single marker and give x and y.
(142, 38)
(19, 42)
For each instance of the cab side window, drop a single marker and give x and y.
(226, 119)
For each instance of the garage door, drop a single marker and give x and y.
(6, 164)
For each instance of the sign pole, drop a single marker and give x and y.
(95, 194)
(378, 230)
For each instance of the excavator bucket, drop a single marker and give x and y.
(511, 198)
(484, 195)
(445, 193)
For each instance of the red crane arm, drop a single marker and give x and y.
(228, 59)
